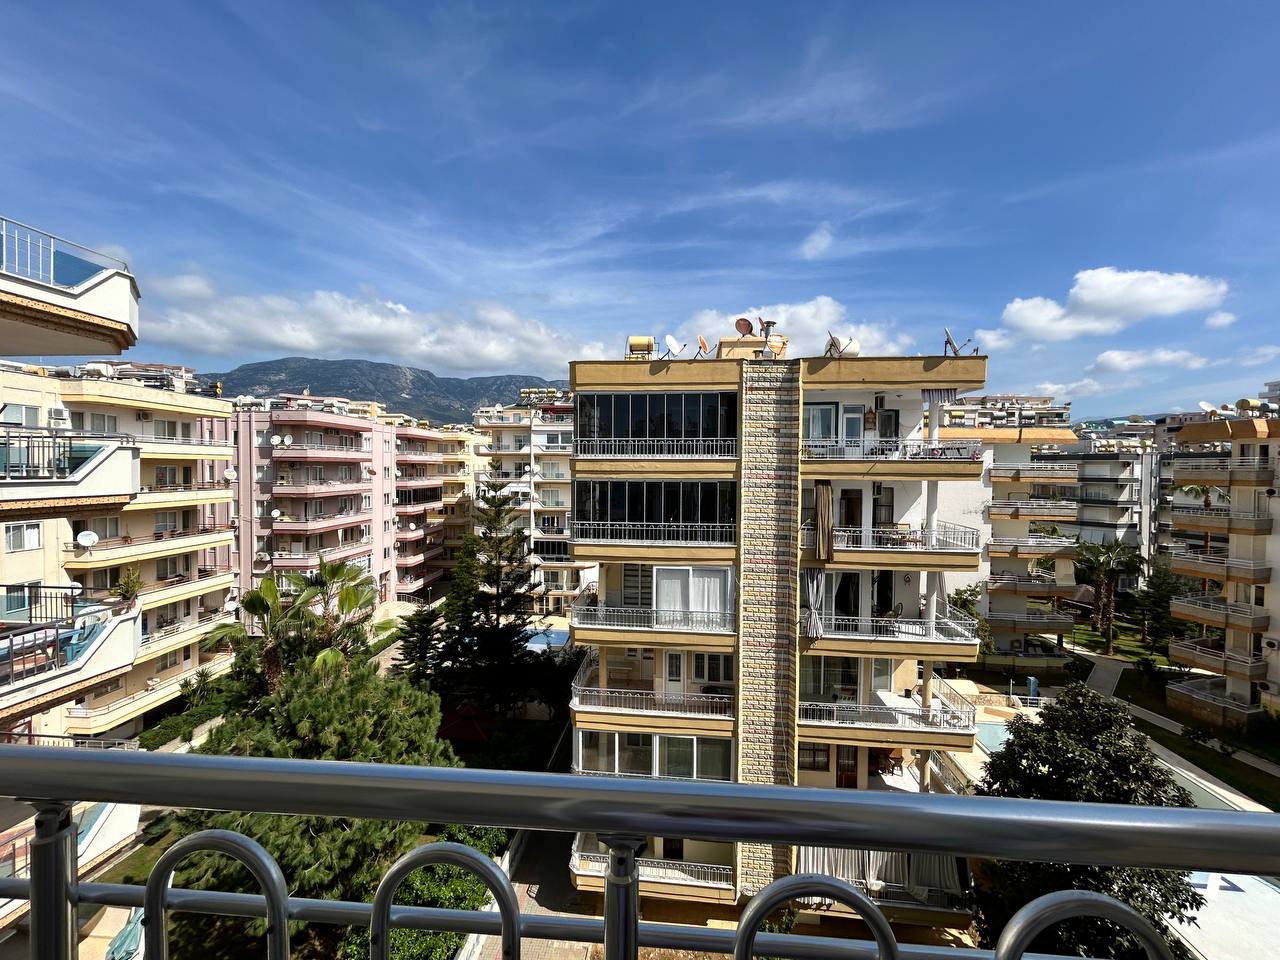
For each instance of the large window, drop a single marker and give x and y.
(657, 416)
(656, 501)
(703, 589)
(655, 755)
(813, 756)
(825, 679)
(21, 536)
(20, 415)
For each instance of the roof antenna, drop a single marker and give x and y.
(949, 348)
(743, 326)
(703, 349)
(766, 331)
(674, 348)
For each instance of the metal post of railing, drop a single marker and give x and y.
(622, 897)
(53, 931)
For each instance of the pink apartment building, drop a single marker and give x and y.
(328, 478)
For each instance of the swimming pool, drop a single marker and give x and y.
(991, 736)
(551, 638)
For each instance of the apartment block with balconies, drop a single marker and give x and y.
(770, 602)
(83, 657)
(1028, 551)
(316, 482)
(1226, 540)
(420, 524)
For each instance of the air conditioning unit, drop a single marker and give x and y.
(143, 415)
(1266, 686)
(262, 555)
(1271, 643)
(59, 417)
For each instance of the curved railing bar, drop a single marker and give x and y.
(812, 885)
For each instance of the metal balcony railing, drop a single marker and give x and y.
(597, 531)
(586, 861)
(1216, 654)
(1049, 468)
(639, 618)
(62, 740)
(948, 710)
(1030, 580)
(153, 537)
(587, 694)
(618, 808)
(35, 255)
(949, 627)
(891, 449)
(708, 448)
(1224, 464)
(1214, 557)
(945, 536)
(33, 454)
(1224, 513)
(1035, 507)
(1033, 542)
(1216, 603)
(1214, 690)
(164, 630)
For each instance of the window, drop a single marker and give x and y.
(166, 520)
(823, 679)
(675, 667)
(167, 661)
(713, 667)
(22, 536)
(814, 756)
(715, 759)
(675, 757)
(853, 421)
(165, 428)
(17, 596)
(819, 421)
(20, 415)
(658, 502)
(642, 416)
(111, 686)
(699, 589)
(635, 753)
(107, 528)
(167, 568)
(166, 476)
(881, 674)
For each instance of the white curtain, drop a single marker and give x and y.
(933, 871)
(817, 581)
(671, 589)
(709, 591)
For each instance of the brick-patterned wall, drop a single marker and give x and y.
(768, 519)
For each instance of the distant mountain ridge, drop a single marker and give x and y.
(401, 389)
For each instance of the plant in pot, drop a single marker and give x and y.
(128, 586)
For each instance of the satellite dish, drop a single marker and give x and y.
(743, 326)
(87, 539)
(775, 344)
(275, 514)
(703, 349)
(230, 605)
(398, 473)
(842, 346)
(413, 526)
(674, 346)
(275, 440)
(76, 588)
(288, 439)
(229, 473)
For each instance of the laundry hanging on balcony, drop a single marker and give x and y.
(815, 588)
(824, 539)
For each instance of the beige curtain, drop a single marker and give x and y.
(823, 510)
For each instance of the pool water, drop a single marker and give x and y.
(991, 736)
(552, 638)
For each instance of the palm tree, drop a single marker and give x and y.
(1103, 564)
(276, 625)
(336, 604)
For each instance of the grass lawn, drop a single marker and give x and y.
(137, 866)
(1137, 689)
(1249, 781)
(1128, 642)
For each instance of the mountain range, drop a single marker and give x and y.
(401, 389)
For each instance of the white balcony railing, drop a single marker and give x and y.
(1034, 507)
(847, 714)
(1217, 604)
(949, 627)
(637, 618)
(1218, 513)
(946, 536)
(587, 863)
(35, 255)
(1026, 581)
(598, 531)
(1033, 542)
(1214, 690)
(1214, 655)
(891, 449)
(708, 448)
(587, 695)
(1043, 467)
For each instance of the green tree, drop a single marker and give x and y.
(338, 601)
(419, 637)
(966, 599)
(1102, 565)
(1083, 748)
(1159, 626)
(316, 713)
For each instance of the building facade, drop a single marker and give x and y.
(770, 604)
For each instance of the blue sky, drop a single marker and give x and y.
(482, 188)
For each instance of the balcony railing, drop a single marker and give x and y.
(948, 710)
(950, 626)
(1033, 542)
(891, 449)
(154, 537)
(34, 454)
(1048, 468)
(1214, 690)
(946, 536)
(1033, 508)
(172, 629)
(8, 738)
(1223, 464)
(587, 695)
(202, 573)
(35, 255)
(1026, 581)
(1217, 658)
(1033, 619)
(179, 441)
(709, 448)
(356, 546)
(1217, 841)
(1217, 604)
(596, 531)
(585, 862)
(638, 618)
(1216, 560)
(192, 487)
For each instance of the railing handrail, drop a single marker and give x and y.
(1218, 556)
(155, 536)
(67, 740)
(843, 713)
(1036, 467)
(948, 627)
(328, 447)
(336, 515)
(647, 618)
(890, 448)
(944, 536)
(1048, 506)
(1195, 688)
(7, 255)
(1095, 833)
(1033, 616)
(84, 713)
(351, 482)
(175, 628)
(673, 447)
(1215, 601)
(723, 533)
(1229, 512)
(1194, 463)
(1190, 646)
(1033, 539)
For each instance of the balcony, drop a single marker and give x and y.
(157, 496)
(58, 298)
(600, 540)
(44, 472)
(1206, 699)
(948, 546)
(184, 448)
(1030, 585)
(892, 459)
(1059, 471)
(950, 636)
(1221, 520)
(132, 549)
(322, 453)
(1216, 658)
(419, 433)
(710, 448)
(417, 507)
(409, 559)
(298, 559)
(1216, 563)
(553, 449)
(180, 632)
(619, 808)
(949, 722)
(310, 417)
(919, 883)
(87, 721)
(616, 698)
(1065, 510)
(681, 879)
(1030, 621)
(320, 522)
(419, 482)
(419, 456)
(1215, 611)
(1225, 471)
(688, 628)
(1032, 546)
(302, 487)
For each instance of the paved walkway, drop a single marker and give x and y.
(1173, 726)
(543, 889)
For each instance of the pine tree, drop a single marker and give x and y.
(419, 638)
(1159, 625)
(318, 712)
(1083, 748)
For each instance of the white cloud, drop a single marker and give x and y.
(1219, 319)
(483, 338)
(806, 325)
(1259, 356)
(184, 286)
(1087, 387)
(1106, 300)
(816, 243)
(1123, 360)
(997, 339)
